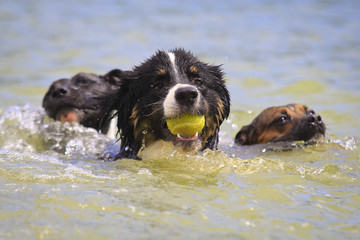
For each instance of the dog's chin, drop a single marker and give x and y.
(188, 144)
(309, 137)
(314, 139)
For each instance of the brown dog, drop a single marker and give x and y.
(293, 122)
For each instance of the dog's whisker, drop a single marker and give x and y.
(153, 112)
(151, 104)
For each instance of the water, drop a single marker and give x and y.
(54, 186)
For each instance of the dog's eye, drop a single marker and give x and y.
(197, 82)
(157, 85)
(283, 120)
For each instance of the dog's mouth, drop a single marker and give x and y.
(186, 130)
(73, 114)
(67, 115)
(186, 143)
(305, 132)
(179, 139)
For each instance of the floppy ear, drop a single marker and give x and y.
(111, 98)
(246, 135)
(221, 89)
(222, 103)
(114, 77)
(124, 100)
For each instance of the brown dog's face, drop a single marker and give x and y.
(293, 122)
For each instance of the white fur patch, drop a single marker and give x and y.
(112, 128)
(172, 60)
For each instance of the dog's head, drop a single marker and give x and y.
(293, 122)
(166, 86)
(80, 98)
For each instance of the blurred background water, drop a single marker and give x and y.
(272, 52)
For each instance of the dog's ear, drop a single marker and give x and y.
(222, 101)
(246, 136)
(125, 101)
(222, 90)
(115, 98)
(114, 77)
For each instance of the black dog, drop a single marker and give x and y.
(80, 99)
(166, 86)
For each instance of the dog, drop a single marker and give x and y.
(165, 86)
(293, 122)
(80, 99)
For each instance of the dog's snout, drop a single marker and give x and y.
(186, 95)
(319, 118)
(59, 92)
(311, 119)
(314, 118)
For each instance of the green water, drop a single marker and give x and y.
(53, 184)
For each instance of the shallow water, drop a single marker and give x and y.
(53, 183)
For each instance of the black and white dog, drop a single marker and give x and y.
(80, 99)
(166, 86)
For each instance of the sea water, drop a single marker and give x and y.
(55, 183)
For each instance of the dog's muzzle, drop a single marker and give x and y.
(182, 98)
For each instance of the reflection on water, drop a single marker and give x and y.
(53, 183)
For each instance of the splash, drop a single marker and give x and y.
(28, 128)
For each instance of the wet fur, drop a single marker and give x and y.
(83, 94)
(140, 100)
(293, 122)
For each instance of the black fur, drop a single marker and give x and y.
(140, 99)
(83, 94)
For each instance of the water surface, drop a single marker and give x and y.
(54, 185)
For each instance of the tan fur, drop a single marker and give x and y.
(161, 72)
(193, 70)
(269, 133)
(264, 127)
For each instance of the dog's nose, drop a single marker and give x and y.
(186, 95)
(314, 118)
(59, 92)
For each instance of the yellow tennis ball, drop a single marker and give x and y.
(187, 125)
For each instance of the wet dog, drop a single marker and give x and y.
(293, 122)
(80, 99)
(166, 86)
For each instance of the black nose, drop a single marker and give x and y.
(186, 95)
(59, 92)
(314, 118)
